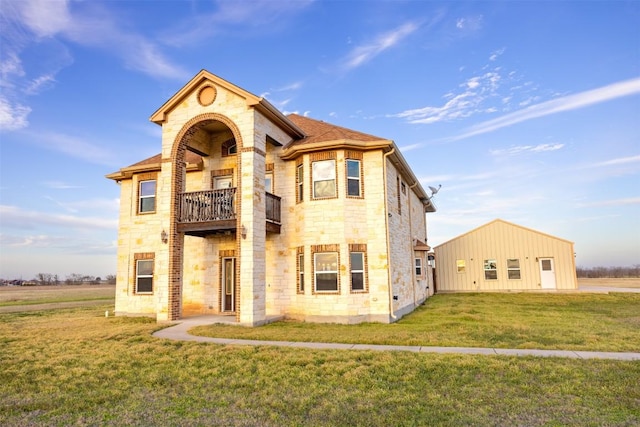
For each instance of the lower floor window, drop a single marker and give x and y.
(490, 269)
(326, 271)
(513, 268)
(357, 271)
(144, 276)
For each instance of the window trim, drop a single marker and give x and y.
(141, 180)
(314, 181)
(350, 178)
(353, 271)
(143, 257)
(321, 249)
(300, 183)
(488, 263)
(513, 269)
(300, 270)
(461, 266)
(418, 267)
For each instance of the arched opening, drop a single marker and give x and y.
(204, 218)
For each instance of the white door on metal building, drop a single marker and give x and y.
(547, 273)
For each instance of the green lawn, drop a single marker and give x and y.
(596, 322)
(76, 367)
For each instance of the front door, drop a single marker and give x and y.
(547, 273)
(228, 284)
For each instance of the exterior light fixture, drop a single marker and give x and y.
(164, 237)
(243, 231)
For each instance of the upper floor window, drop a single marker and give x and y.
(323, 173)
(353, 178)
(418, 262)
(299, 183)
(268, 182)
(229, 147)
(147, 196)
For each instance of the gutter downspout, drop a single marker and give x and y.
(386, 225)
(414, 279)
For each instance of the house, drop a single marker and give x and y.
(501, 256)
(250, 213)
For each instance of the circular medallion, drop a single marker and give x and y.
(207, 95)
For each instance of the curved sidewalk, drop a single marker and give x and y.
(180, 332)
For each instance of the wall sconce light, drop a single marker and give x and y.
(164, 237)
(243, 231)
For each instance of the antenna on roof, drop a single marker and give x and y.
(434, 190)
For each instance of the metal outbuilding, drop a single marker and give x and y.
(501, 256)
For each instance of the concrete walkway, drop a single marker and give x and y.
(180, 332)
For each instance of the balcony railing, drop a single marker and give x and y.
(272, 208)
(219, 205)
(205, 206)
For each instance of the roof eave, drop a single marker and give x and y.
(292, 151)
(128, 172)
(428, 204)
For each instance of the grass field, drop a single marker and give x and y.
(76, 367)
(600, 322)
(26, 295)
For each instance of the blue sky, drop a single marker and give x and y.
(525, 111)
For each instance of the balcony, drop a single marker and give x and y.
(202, 213)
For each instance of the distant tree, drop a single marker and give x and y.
(111, 279)
(74, 279)
(608, 272)
(45, 278)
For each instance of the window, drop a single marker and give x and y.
(300, 271)
(268, 182)
(326, 271)
(460, 265)
(490, 269)
(324, 178)
(229, 148)
(353, 178)
(144, 276)
(357, 271)
(299, 183)
(147, 194)
(513, 268)
(418, 263)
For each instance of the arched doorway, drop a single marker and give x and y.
(204, 207)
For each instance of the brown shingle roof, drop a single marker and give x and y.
(319, 131)
(191, 157)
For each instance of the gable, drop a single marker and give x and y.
(206, 96)
(499, 226)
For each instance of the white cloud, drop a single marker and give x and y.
(615, 202)
(619, 161)
(75, 147)
(362, 54)
(559, 105)
(13, 116)
(518, 149)
(496, 54)
(15, 217)
(262, 15)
